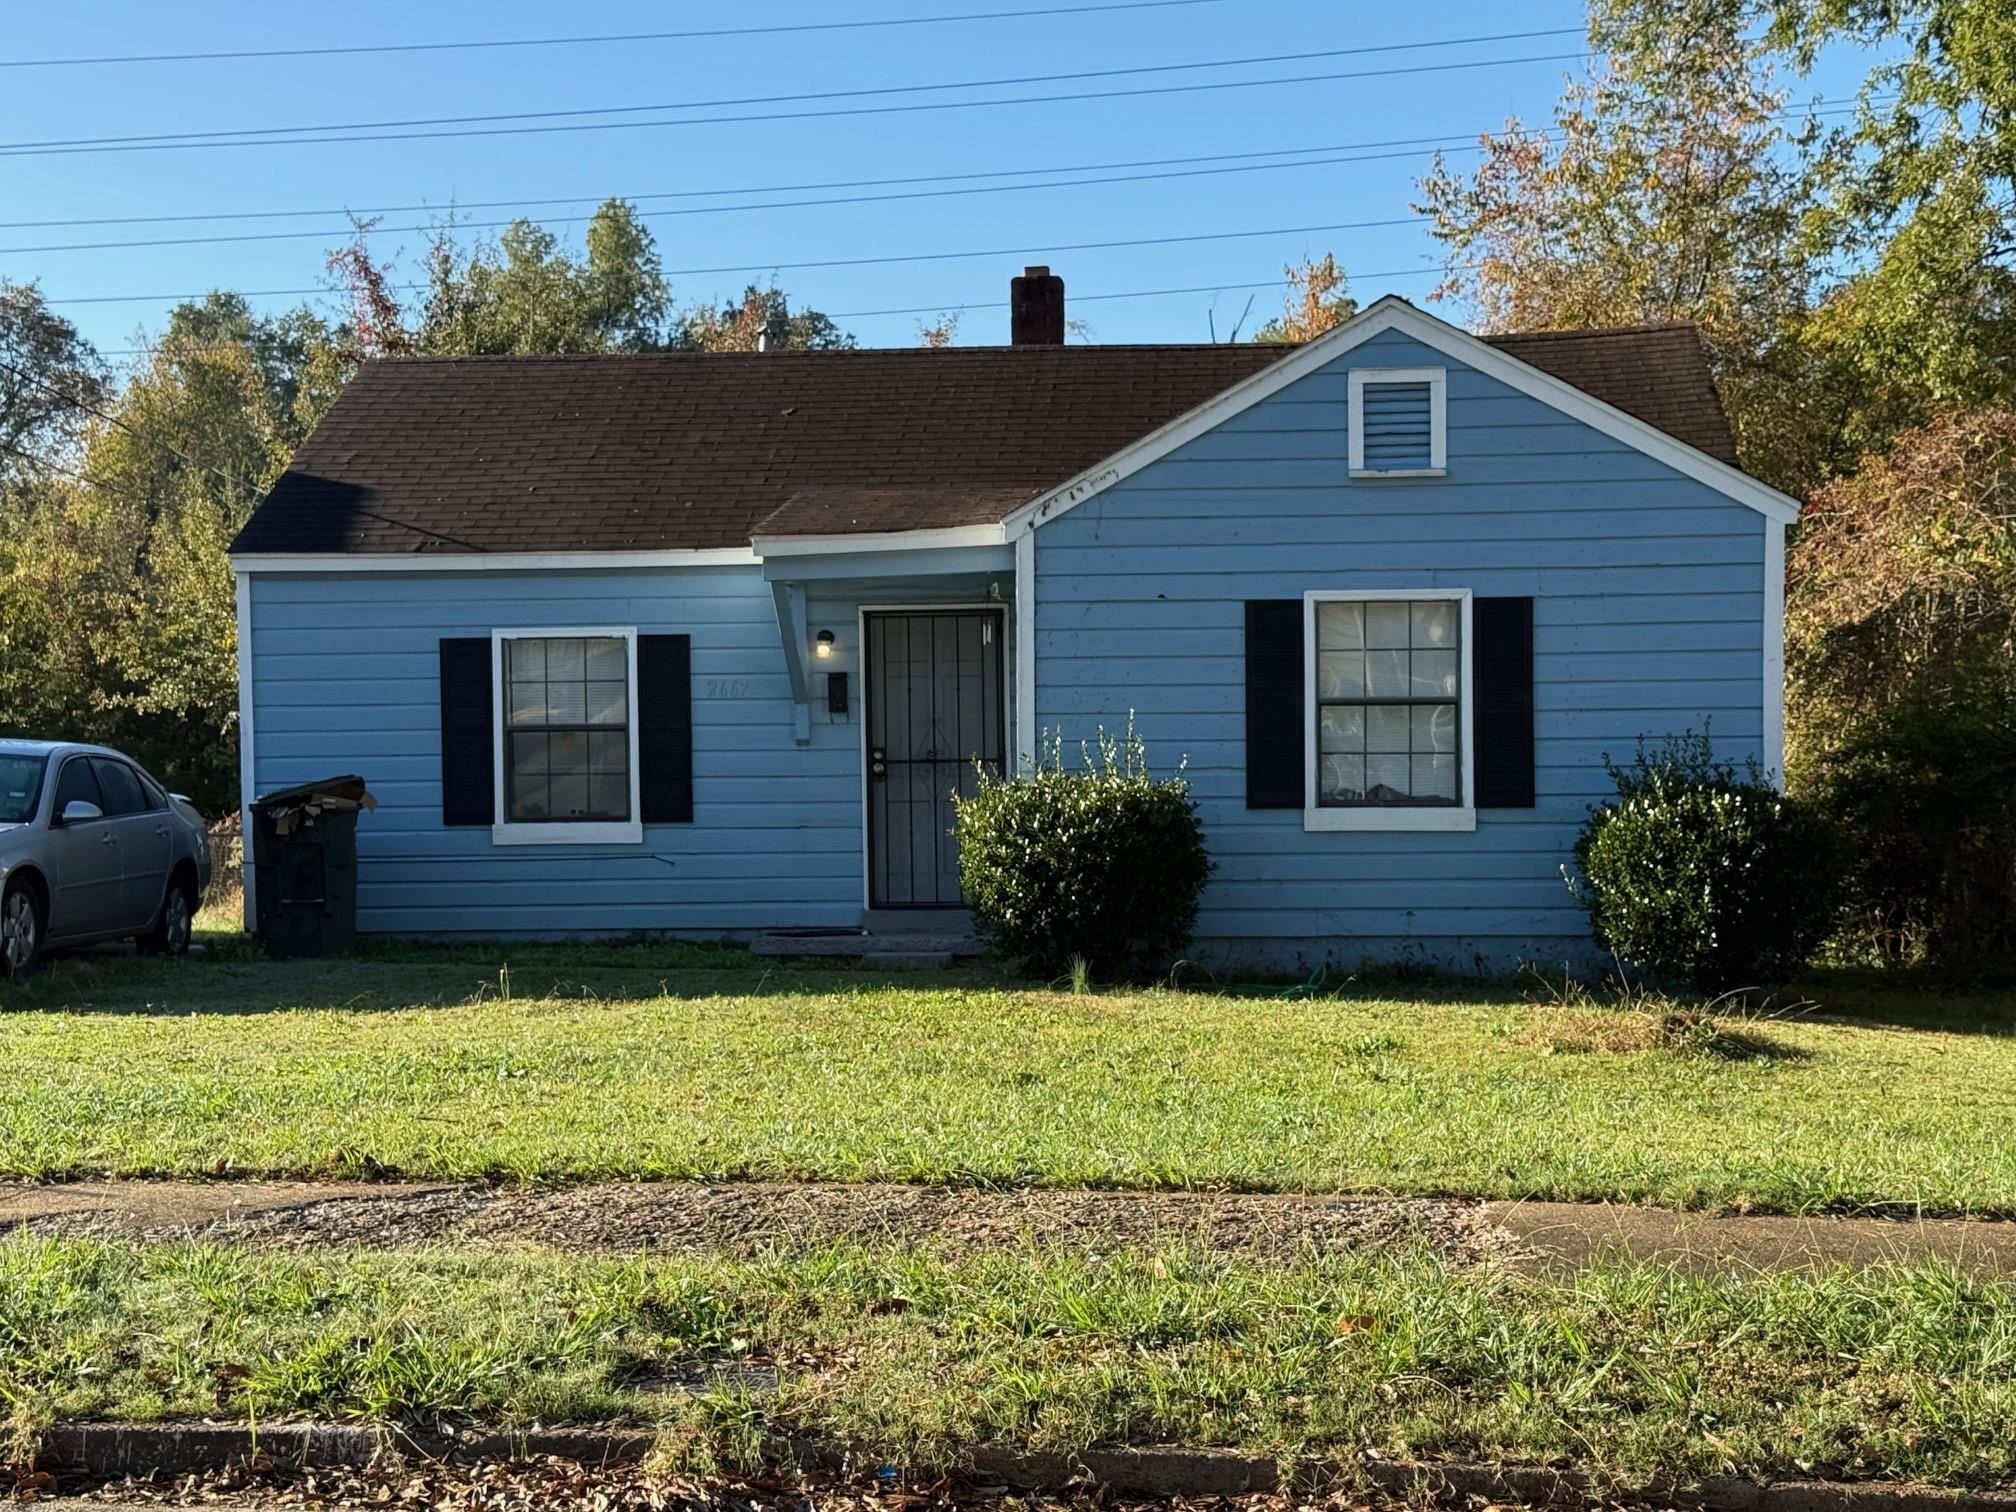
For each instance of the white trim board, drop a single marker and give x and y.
(489, 561)
(247, 769)
(772, 547)
(1393, 313)
(1774, 652)
(503, 830)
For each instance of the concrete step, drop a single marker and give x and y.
(909, 921)
(908, 960)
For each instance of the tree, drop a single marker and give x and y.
(761, 320)
(1668, 189)
(1317, 301)
(49, 377)
(939, 333)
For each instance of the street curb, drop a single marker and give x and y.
(110, 1450)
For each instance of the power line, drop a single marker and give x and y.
(662, 36)
(841, 262)
(856, 199)
(41, 149)
(132, 430)
(870, 183)
(180, 137)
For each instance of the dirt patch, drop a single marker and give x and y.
(746, 1217)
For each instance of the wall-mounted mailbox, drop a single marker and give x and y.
(836, 692)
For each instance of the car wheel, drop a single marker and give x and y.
(20, 929)
(174, 925)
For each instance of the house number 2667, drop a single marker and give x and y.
(728, 687)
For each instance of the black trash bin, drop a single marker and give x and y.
(304, 866)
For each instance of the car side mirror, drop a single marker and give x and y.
(78, 811)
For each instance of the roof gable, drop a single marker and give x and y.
(1520, 362)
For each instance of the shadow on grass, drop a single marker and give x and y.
(228, 975)
(1913, 1000)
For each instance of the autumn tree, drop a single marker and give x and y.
(762, 319)
(1668, 188)
(49, 378)
(1318, 299)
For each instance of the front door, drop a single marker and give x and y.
(935, 706)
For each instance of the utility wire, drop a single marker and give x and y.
(44, 149)
(134, 431)
(660, 36)
(871, 183)
(842, 262)
(855, 199)
(180, 137)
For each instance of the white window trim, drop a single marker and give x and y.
(1397, 819)
(588, 832)
(1437, 380)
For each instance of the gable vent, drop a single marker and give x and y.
(1399, 427)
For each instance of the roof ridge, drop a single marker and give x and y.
(1577, 333)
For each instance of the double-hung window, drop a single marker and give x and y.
(1389, 710)
(568, 736)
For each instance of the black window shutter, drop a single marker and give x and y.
(1501, 663)
(1274, 700)
(665, 727)
(468, 736)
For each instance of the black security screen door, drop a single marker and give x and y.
(935, 706)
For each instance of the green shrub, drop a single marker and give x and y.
(1698, 874)
(1103, 862)
(1926, 791)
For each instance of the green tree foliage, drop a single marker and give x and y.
(1668, 190)
(761, 320)
(48, 373)
(1901, 715)
(118, 596)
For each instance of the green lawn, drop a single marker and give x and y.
(585, 1062)
(1632, 1371)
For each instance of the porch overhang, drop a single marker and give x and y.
(791, 563)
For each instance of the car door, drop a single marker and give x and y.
(85, 893)
(146, 845)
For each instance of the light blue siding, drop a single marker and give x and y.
(1648, 592)
(345, 678)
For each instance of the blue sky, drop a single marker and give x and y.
(40, 104)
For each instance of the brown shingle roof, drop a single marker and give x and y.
(678, 451)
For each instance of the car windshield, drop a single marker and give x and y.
(20, 787)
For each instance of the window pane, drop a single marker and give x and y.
(528, 755)
(1386, 674)
(568, 750)
(570, 795)
(608, 751)
(1387, 779)
(1435, 778)
(566, 658)
(528, 703)
(1385, 624)
(566, 703)
(1386, 727)
(1340, 627)
(609, 796)
(1342, 729)
(1435, 623)
(1434, 674)
(525, 660)
(1435, 728)
(606, 703)
(608, 659)
(1341, 780)
(1340, 674)
(526, 784)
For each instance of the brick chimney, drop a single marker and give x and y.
(1036, 309)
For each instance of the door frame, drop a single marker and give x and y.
(861, 616)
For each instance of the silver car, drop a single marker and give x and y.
(93, 848)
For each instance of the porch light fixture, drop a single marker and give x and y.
(822, 647)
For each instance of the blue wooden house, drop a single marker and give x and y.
(701, 643)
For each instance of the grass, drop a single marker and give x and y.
(608, 1060)
(1626, 1370)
